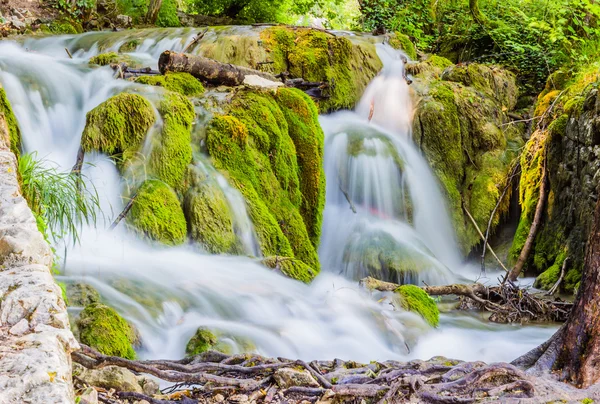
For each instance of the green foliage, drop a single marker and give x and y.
(245, 11)
(167, 15)
(415, 299)
(157, 214)
(102, 328)
(182, 83)
(60, 202)
(13, 127)
(202, 341)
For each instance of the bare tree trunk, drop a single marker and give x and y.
(535, 225)
(153, 9)
(574, 351)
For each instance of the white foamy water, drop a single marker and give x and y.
(169, 292)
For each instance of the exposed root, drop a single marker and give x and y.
(212, 377)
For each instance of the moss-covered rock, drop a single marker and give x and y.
(497, 83)
(157, 214)
(461, 130)
(14, 133)
(415, 299)
(102, 328)
(317, 56)
(81, 294)
(105, 59)
(62, 27)
(270, 147)
(403, 42)
(182, 83)
(209, 217)
(171, 150)
(118, 125)
(202, 341)
(291, 268)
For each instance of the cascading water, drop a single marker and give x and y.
(381, 197)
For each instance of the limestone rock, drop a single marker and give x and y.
(109, 377)
(288, 377)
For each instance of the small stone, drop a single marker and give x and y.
(123, 20)
(89, 396)
(149, 386)
(20, 328)
(110, 377)
(288, 377)
(238, 398)
(218, 398)
(17, 24)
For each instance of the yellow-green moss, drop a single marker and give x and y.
(102, 328)
(415, 299)
(105, 59)
(209, 217)
(157, 214)
(118, 125)
(439, 62)
(171, 150)
(202, 341)
(317, 56)
(182, 83)
(13, 127)
(403, 42)
(63, 27)
(291, 268)
(270, 147)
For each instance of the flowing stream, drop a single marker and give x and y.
(381, 197)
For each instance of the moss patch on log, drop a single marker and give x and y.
(415, 299)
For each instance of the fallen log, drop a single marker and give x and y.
(209, 70)
(507, 303)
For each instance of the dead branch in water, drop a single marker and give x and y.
(507, 303)
(212, 373)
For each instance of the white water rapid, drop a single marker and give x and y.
(381, 197)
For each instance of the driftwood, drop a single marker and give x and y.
(125, 211)
(208, 70)
(507, 303)
(203, 377)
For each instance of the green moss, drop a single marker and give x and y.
(270, 147)
(130, 46)
(317, 56)
(118, 125)
(182, 83)
(167, 15)
(548, 278)
(63, 291)
(558, 127)
(64, 27)
(439, 62)
(415, 299)
(202, 341)
(81, 294)
(14, 132)
(105, 59)
(209, 217)
(171, 150)
(102, 328)
(403, 42)
(156, 213)
(291, 268)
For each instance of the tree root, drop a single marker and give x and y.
(201, 378)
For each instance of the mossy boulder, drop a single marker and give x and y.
(182, 83)
(548, 278)
(403, 42)
(105, 59)
(290, 267)
(102, 328)
(270, 147)
(415, 299)
(460, 129)
(13, 135)
(81, 294)
(495, 82)
(202, 341)
(157, 214)
(318, 56)
(171, 149)
(118, 125)
(209, 217)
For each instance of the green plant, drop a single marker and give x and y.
(79, 10)
(61, 202)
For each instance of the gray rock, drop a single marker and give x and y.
(288, 377)
(89, 396)
(81, 294)
(123, 20)
(109, 377)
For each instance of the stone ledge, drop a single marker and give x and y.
(35, 337)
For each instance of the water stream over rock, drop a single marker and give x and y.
(383, 203)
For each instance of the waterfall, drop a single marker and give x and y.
(381, 198)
